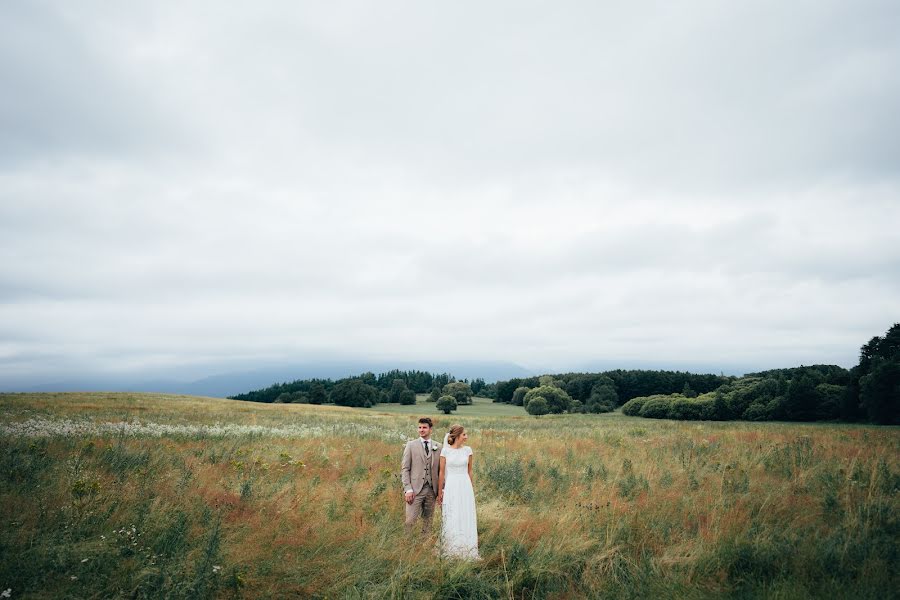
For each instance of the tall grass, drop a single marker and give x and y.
(209, 499)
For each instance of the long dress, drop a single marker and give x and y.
(459, 526)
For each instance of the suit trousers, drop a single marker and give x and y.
(422, 506)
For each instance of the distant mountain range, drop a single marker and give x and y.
(236, 382)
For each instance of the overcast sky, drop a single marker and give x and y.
(187, 187)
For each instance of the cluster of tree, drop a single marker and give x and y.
(451, 396)
(600, 392)
(367, 389)
(874, 388)
(870, 391)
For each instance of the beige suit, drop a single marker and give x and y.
(419, 475)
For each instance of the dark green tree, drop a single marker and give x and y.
(446, 404)
(398, 386)
(353, 392)
(519, 395)
(317, 394)
(558, 401)
(802, 400)
(879, 391)
(460, 391)
(435, 394)
(603, 399)
(537, 406)
(407, 397)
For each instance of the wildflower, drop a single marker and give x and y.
(84, 560)
(216, 568)
(73, 577)
(7, 593)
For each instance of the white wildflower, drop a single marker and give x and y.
(84, 560)
(216, 568)
(41, 427)
(7, 593)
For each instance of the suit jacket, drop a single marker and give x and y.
(412, 467)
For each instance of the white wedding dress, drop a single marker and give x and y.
(459, 531)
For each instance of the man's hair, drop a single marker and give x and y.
(427, 421)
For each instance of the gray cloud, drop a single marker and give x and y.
(203, 185)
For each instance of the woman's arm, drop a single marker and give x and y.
(471, 458)
(441, 470)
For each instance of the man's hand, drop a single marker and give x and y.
(440, 498)
(409, 496)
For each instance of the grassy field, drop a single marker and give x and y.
(480, 407)
(139, 496)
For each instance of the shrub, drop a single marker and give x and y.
(537, 406)
(656, 407)
(598, 407)
(686, 409)
(446, 404)
(633, 407)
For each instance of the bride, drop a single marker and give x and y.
(459, 533)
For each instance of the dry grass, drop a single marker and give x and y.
(570, 506)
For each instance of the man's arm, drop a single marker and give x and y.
(405, 466)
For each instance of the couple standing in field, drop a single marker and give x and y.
(441, 474)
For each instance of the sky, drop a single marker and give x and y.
(191, 188)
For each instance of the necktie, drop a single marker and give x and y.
(426, 448)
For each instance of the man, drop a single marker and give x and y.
(419, 471)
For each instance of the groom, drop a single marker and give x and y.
(419, 472)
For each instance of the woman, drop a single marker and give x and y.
(459, 532)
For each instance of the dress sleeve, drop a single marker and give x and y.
(443, 450)
(469, 451)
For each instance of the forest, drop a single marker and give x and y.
(870, 391)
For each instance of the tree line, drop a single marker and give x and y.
(870, 391)
(367, 389)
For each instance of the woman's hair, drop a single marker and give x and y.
(455, 432)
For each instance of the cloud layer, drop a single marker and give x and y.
(550, 185)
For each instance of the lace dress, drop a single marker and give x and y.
(459, 531)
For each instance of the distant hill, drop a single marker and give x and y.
(235, 382)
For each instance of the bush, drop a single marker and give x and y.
(558, 401)
(537, 406)
(407, 397)
(446, 404)
(633, 407)
(598, 407)
(656, 407)
(686, 409)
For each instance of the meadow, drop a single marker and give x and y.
(144, 495)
